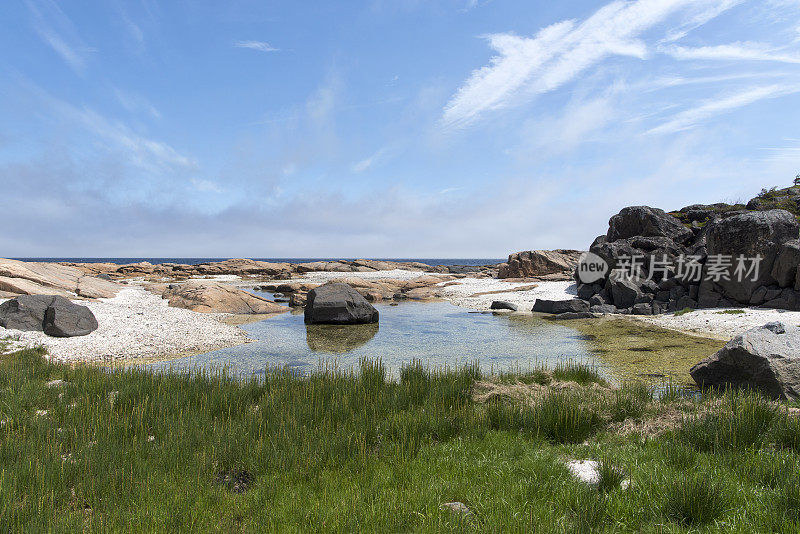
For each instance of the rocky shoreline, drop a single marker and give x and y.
(548, 282)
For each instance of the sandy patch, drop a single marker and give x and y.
(716, 324)
(323, 276)
(137, 324)
(467, 292)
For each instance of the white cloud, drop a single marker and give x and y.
(559, 53)
(57, 31)
(139, 150)
(367, 163)
(261, 46)
(705, 15)
(206, 186)
(449, 190)
(690, 117)
(558, 134)
(136, 103)
(748, 51)
(784, 153)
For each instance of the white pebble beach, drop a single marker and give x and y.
(136, 324)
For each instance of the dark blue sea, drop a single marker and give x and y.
(195, 261)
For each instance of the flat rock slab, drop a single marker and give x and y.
(207, 296)
(42, 278)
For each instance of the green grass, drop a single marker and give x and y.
(743, 422)
(730, 312)
(342, 451)
(683, 311)
(578, 372)
(695, 500)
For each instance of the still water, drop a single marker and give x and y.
(443, 335)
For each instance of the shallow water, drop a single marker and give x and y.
(442, 335)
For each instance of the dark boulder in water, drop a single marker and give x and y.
(337, 303)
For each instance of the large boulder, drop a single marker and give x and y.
(539, 263)
(784, 270)
(750, 234)
(644, 221)
(207, 296)
(337, 303)
(52, 314)
(765, 358)
(65, 319)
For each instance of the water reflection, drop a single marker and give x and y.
(442, 335)
(338, 339)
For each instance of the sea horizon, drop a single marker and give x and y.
(195, 261)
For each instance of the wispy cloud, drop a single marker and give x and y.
(704, 15)
(449, 190)
(745, 51)
(261, 46)
(564, 131)
(784, 153)
(526, 67)
(691, 117)
(367, 163)
(206, 186)
(57, 31)
(136, 103)
(137, 149)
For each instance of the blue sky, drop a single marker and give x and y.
(384, 128)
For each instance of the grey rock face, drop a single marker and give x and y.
(503, 305)
(750, 234)
(765, 358)
(53, 315)
(567, 316)
(645, 221)
(603, 309)
(25, 312)
(784, 271)
(543, 306)
(560, 306)
(570, 306)
(624, 293)
(65, 319)
(337, 303)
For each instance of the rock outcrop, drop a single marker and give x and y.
(337, 303)
(765, 358)
(691, 259)
(41, 278)
(52, 314)
(536, 263)
(207, 296)
(247, 268)
(421, 288)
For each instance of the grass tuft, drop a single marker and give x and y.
(588, 510)
(694, 500)
(742, 421)
(611, 476)
(630, 401)
(578, 372)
